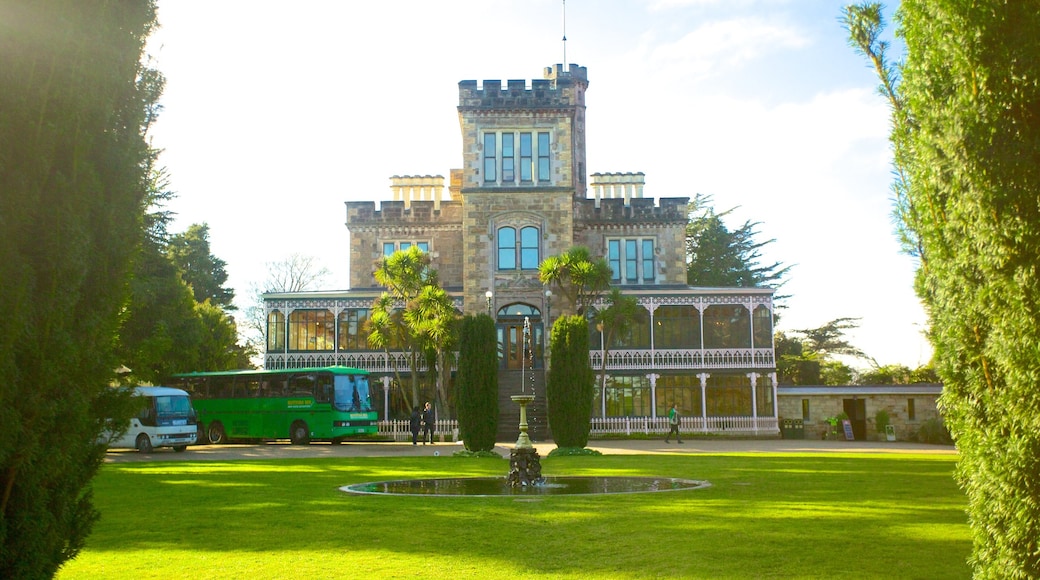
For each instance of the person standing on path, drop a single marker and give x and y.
(428, 420)
(673, 421)
(414, 424)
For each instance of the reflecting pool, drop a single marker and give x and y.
(498, 486)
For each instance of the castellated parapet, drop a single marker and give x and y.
(560, 88)
(436, 223)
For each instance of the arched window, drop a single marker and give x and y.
(275, 331)
(523, 252)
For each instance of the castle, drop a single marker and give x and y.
(521, 196)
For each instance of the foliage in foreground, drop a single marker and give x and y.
(569, 387)
(75, 103)
(476, 382)
(966, 137)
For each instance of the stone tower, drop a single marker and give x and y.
(523, 152)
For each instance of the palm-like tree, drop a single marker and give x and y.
(577, 275)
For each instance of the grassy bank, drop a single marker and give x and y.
(766, 515)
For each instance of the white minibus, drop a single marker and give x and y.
(165, 419)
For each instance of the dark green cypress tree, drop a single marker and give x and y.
(476, 383)
(569, 388)
(966, 135)
(75, 103)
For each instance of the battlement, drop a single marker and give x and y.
(667, 210)
(422, 214)
(554, 90)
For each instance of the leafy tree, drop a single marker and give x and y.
(414, 314)
(295, 273)
(477, 382)
(166, 330)
(577, 275)
(569, 390)
(717, 257)
(203, 271)
(806, 357)
(75, 104)
(966, 140)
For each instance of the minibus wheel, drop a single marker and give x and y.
(144, 444)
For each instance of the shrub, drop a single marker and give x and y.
(569, 387)
(933, 431)
(476, 402)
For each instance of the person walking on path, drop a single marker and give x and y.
(415, 423)
(673, 421)
(428, 420)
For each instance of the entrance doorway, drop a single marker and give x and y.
(856, 409)
(510, 325)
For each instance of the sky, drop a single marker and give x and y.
(275, 113)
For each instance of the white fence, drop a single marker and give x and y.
(448, 429)
(443, 430)
(691, 425)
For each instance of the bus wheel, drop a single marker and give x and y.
(144, 444)
(215, 433)
(298, 433)
(180, 448)
(337, 440)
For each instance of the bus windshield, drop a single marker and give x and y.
(173, 410)
(351, 393)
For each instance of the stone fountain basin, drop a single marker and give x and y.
(498, 486)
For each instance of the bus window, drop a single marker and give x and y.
(323, 391)
(248, 387)
(220, 387)
(302, 385)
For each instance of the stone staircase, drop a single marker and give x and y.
(509, 412)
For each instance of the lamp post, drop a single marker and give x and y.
(488, 295)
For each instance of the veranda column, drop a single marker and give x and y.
(653, 394)
(754, 401)
(386, 398)
(704, 401)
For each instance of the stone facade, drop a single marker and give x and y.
(908, 407)
(519, 197)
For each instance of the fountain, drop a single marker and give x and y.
(525, 470)
(525, 466)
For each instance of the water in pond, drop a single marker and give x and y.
(497, 486)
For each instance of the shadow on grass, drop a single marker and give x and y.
(764, 516)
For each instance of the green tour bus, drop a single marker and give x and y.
(326, 403)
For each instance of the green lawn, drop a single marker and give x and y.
(766, 515)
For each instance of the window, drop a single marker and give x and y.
(525, 158)
(352, 330)
(509, 158)
(631, 260)
(311, 330)
(275, 331)
(525, 253)
(677, 327)
(543, 157)
(391, 247)
(911, 412)
(490, 158)
(805, 409)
